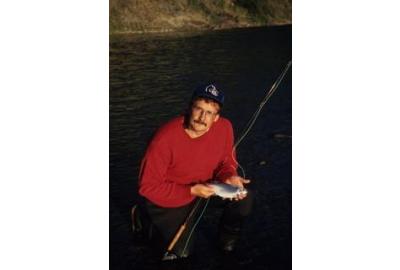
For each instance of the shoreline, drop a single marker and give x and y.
(192, 30)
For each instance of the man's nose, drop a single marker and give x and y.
(202, 115)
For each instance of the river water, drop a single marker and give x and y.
(152, 77)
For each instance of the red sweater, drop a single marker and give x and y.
(174, 162)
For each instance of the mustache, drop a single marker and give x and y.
(200, 122)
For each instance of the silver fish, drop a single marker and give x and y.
(227, 191)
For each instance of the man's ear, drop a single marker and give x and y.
(216, 118)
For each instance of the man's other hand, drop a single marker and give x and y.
(237, 181)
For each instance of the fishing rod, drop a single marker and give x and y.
(272, 90)
(253, 119)
(168, 255)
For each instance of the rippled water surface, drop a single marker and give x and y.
(151, 80)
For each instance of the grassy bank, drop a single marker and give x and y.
(186, 15)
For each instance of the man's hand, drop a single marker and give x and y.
(201, 190)
(237, 181)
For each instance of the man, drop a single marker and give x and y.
(184, 155)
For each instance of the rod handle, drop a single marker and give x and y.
(177, 236)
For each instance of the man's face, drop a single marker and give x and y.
(203, 116)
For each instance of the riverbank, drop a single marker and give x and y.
(140, 16)
(187, 32)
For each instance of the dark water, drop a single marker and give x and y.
(151, 80)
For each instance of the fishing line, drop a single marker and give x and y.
(248, 127)
(253, 119)
(167, 254)
(194, 226)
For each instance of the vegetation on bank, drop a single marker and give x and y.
(186, 15)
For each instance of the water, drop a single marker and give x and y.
(151, 79)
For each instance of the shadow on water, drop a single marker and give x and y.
(151, 80)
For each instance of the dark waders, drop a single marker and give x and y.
(173, 230)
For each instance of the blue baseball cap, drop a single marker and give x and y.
(209, 91)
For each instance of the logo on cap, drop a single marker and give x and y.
(212, 90)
